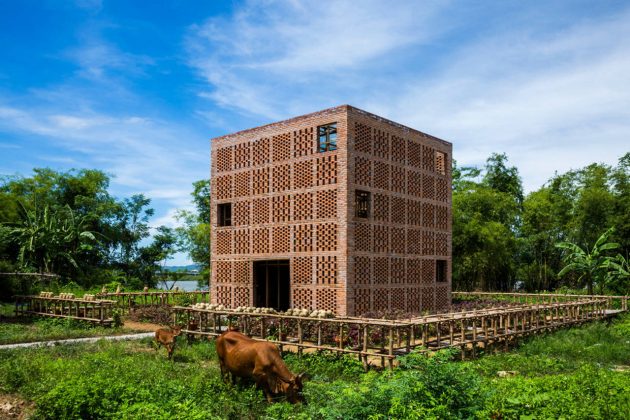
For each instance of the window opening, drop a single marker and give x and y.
(224, 214)
(362, 204)
(440, 163)
(440, 271)
(327, 137)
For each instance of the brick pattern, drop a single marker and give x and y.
(303, 298)
(326, 270)
(408, 227)
(291, 202)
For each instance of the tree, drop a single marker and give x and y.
(131, 225)
(485, 220)
(618, 276)
(163, 247)
(194, 235)
(50, 240)
(590, 265)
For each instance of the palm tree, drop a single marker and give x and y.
(590, 265)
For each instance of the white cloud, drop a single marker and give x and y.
(252, 58)
(550, 90)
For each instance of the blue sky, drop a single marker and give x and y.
(138, 88)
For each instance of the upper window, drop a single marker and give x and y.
(362, 204)
(224, 214)
(327, 137)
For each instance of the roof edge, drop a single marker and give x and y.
(344, 107)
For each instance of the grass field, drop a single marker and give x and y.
(576, 373)
(25, 330)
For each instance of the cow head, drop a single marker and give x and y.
(293, 389)
(177, 330)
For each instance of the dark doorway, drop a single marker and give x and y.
(271, 284)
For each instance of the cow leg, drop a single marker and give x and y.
(262, 381)
(226, 376)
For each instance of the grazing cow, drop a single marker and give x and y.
(166, 337)
(241, 356)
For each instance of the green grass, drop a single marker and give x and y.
(27, 330)
(569, 374)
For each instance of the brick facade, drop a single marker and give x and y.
(291, 202)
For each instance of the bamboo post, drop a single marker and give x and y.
(474, 337)
(463, 338)
(319, 334)
(390, 359)
(438, 334)
(365, 346)
(300, 337)
(340, 338)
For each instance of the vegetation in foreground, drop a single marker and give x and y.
(577, 373)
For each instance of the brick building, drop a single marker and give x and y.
(339, 209)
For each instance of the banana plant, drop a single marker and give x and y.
(590, 265)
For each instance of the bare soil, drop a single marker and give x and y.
(14, 407)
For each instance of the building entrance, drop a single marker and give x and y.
(272, 284)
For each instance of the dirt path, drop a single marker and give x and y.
(142, 326)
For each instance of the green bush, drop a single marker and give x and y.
(589, 393)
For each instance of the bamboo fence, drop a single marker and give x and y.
(126, 301)
(614, 303)
(374, 340)
(95, 311)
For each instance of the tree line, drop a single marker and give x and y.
(69, 224)
(574, 231)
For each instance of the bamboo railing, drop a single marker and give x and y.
(95, 311)
(613, 302)
(126, 301)
(373, 340)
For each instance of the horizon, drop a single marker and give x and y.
(138, 92)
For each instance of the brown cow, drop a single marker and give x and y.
(241, 356)
(166, 337)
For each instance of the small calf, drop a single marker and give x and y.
(166, 337)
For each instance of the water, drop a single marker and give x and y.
(185, 285)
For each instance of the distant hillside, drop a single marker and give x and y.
(189, 267)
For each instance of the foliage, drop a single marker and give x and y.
(51, 238)
(194, 235)
(561, 375)
(503, 240)
(591, 265)
(67, 223)
(485, 219)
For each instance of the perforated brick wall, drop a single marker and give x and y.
(288, 203)
(292, 202)
(394, 250)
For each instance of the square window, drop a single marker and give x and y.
(224, 214)
(327, 137)
(440, 271)
(362, 204)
